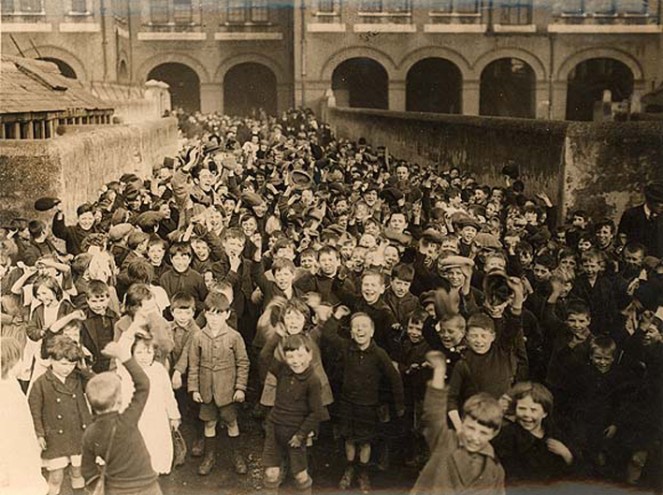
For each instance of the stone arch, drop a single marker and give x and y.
(66, 56)
(249, 86)
(529, 58)
(589, 53)
(358, 52)
(433, 52)
(256, 58)
(168, 58)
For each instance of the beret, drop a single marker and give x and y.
(46, 203)
(117, 232)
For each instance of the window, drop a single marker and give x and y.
(245, 11)
(326, 6)
(633, 6)
(159, 12)
(596, 7)
(455, 6)
(79, 6)
(516, 12)
(7, 6)
(385, 6)
(30, 6)
(182, 12)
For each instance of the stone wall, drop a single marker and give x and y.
(599, 167)
(75, 165)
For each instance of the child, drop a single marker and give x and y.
(218, 376)
(462, 460)
(99, 323)
(398, 296)
(128, 467)
(448, 336)
(60, 412)
(20, 459)
(181, 277)
(161, 413)
(364, 366)
(296, 413)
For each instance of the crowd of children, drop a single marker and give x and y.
(334, 288)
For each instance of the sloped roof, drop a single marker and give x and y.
(31, 86)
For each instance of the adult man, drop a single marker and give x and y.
(643, 223)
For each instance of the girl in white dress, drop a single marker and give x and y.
(161, 413)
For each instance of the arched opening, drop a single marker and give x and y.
(122, 72)
(587, 82)
(65, 68)
(508, 89)
(249, 87)
(434, 85)
(361, 82)
(184, 84)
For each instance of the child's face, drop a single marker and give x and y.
(155, 253)
(200, 249)
(569, 264)
(591, 266)
(579, 222)
(283, 278)
(397, 222)
(372, 228)
(285, 252)
(450, 334)
(73, 332)
(181, 262)
(144, 354)
(634, 259)
(358, 259)
(415, 331)
(391, 256)
(584, 245)
(233, 247)
(400, 287)
(455, 277)
(368, 241)
(475, 435)
(298, 360)
(249, 226)
(450, 245)
(346, 251)
(541, 273)
(294, 322)
(372, 288)
(578, 323)
(46, 295)
(362, 331)
(182, 316)
(307, 262)
(328, 264)
(526, 258)
(531, 217)
(468, 233)
(530, 414)
(98, 304)
(86, 220)
(479, 339)
(209, 279)
(604, 236)
(62, 367)
(148, 306)
(216, 319)
(602, 360)
(494, 263)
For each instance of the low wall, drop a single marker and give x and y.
(75, 165)
(599, 167)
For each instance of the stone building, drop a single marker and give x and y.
(549, 59)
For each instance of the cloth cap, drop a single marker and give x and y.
(46, 203)
(654, 192)
(119, 231)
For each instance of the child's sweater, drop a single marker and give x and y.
(128, 467)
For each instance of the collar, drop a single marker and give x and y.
(487, 449)
(302, 377)
(208, 331)
(648, 212)
(355, 347)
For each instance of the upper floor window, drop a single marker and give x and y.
(455, 6)
(327, 6)
(179, 12)
(22, 7)
(79, 7)
(604, 7)
(385, 6)
(516, 12)
(248, 11)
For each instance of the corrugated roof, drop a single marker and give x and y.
(28, 85)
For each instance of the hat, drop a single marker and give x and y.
(654, 192)
(466, 221)
(454, 262)
(511, 170)
(252, 199)
(119, 231)
(46, 203)
(148, 220)
(432, 236)
(119, 216)
(300, 179)
(398, 237)
(131, 191)
(414, 195)
(337, 188)
(391, 195)
(447, 303)
(316, 214)
(334, 228)
(486, 240)
(126, 178)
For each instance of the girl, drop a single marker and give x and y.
(60, 412)
(140, 304)
(161, 413)
(20, 463)
(528, 446)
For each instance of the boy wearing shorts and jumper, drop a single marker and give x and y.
(218, 376)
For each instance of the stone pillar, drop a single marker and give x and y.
(397, 96)
(211, 97)
(471, 97)
(559, 91)
(542, 100)
(283, 97)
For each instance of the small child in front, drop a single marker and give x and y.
(218, 376)
(461, 461)
(296, 414)
(128, 466)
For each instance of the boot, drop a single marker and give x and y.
(238, 460)
(210, 457)
(270, 488)
(198, 447)
(348, 476)
(363, 479)
(305, 487)
(383, 457)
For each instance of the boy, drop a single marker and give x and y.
(218, 376)
(364, 365)
(398, 297)
(99, 324)
(128, 466)
(448, 336)
(461, 461)
(181, 277)
(296, 414)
